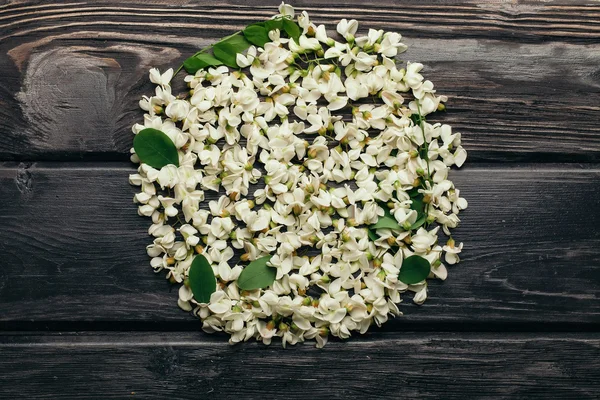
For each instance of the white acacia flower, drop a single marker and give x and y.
(189, 234)
(168, 176)
(220, 228)
(185, 295)
(364, 61)
(168, 203)
(330, 310)
(286, 10)
(420, 293)
(161, 79)
(412, 77)
(355, 88)
(219, 303)
(339, 51)
(308, 203)
(258, 221)
(391, 45)
(367, 42)
(347, 29)
(320, 122)
(245, 60)
(178, 110)
(392, 99)
(304, 45)
(321, 36)
(460, 156)
(424, 239)
(226, 273)
(452, 252)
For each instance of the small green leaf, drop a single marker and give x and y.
(417, 203)
(155, 148)
(414, 192)
(202, 279)
(238, 42)
(257, 275)
(292, 29)
(385, 221)
(200, 61)
(273, 24)
(419, 222)
(414, 269)
(227, 54)
(372, 235)
(227, 49)
(419, 206)
(257, 35)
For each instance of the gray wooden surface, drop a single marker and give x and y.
(393, 365)
(83, 316)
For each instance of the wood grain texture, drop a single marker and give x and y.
(518, 318)
(403, 365)
(522, 76)
(73, 250)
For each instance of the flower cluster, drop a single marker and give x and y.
(303, 149)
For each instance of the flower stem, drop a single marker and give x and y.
(421, 123)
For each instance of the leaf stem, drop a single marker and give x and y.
(421, 123)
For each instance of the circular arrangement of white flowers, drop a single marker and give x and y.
(330, 189)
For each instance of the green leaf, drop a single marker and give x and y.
(202, 279)
(372, 235)
(200, 61)
(417, 203)
(238, 42)
(227, 49)
(257, 275)
(414, 192)
(292, 29)
(414, 269)
(257, 35)
(155, 148)
(420, 221)
(273, 24)
(385, 221)
(227, 54)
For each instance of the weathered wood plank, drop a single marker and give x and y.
(402, 365)
(522, 77)
(73, 250)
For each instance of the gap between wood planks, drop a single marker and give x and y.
(124, 337)
(27, 327)
(121, 164)
(479, 158)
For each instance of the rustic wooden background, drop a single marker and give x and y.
(83, 316)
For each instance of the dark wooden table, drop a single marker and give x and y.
(83, 316)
